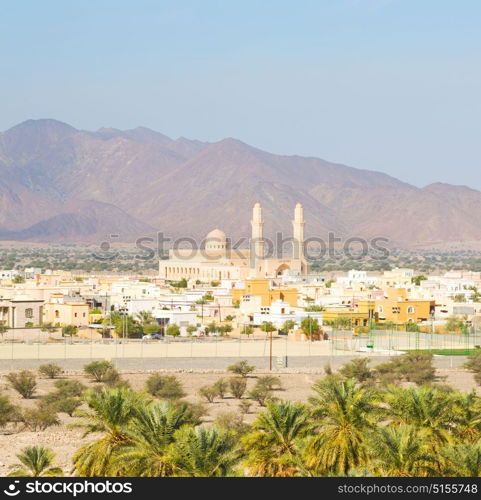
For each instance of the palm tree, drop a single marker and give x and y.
(36, 461)
(144, 318)
(273, 447)
(346, 412)
(203, 452)
(399, 451)
(150, 433)
(110, 411)
(425, 408)
(467, 416)
(462, 459)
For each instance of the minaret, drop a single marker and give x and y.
(257, 239)
(298, 232)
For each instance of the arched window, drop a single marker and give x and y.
(410, 310)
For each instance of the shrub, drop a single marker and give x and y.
(474, 365)
(7, 410)
(221, 387)
(173, 330)
(260, 393)
(269, 382)
(50, 370)
(237, 386)
(38, 419)
(69, 388)
(164, 386)
(241, 368)
(111, 377)
(69, 331)
(23, 382)
(357, 369)
(244, 406)
(194, 411)
(232, 421)
(97, 369)
(67, 405)
(208, 392)
(55, 402)
(411, 367)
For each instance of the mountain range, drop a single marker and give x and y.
(61, 184)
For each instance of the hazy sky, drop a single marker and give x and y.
(389, 85)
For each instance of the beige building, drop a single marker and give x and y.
(20, 312)
(217, 261)
(67, 313)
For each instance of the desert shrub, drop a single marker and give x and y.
(474, 365)
(221, 387)
(67, 405)
(38, 419)
(69, 388)
(241, 368)
(269, 382)
(232, 421)
(208, 392)
(7, 410)
(111, 377)
(56, 403)
(414, 367)
(194, 411)
(50, 370)
(97, 369)
(358, 369)
(261, 394)
(23, 382)
(164, 386)
(244, 406)
(238, 386)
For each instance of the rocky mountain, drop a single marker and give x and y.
(58, 183)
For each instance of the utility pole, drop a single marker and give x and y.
(270, 351)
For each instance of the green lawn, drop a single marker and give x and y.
(448, 352)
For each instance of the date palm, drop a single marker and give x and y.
(273, 447)
(425, 408)
(462, 459)
(345, 412)
(110, 411)
(36, 461)
(467, 417)
(150, 432)
(399, 451)
(203, 452)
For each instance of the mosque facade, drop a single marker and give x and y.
(216, 260)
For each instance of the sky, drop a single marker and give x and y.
(387, 85)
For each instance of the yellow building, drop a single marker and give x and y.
(400, 309)
(261, 288)
(360, 313)
(66, 313)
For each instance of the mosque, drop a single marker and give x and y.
(216, 260)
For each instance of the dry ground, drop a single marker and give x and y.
(64, 440)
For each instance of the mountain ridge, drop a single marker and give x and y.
(186, 187)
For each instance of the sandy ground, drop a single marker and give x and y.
(64, 440)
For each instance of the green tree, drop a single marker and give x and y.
(109, 413)
(173, 330)
(203, 452)
(310, 326)
(273, 447)
(151, 431)
(69, 331)
(346, 413)
(241, 368)
(400, 451)
(36, 461)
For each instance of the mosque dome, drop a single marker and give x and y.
(216, 234)
(216, 241)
